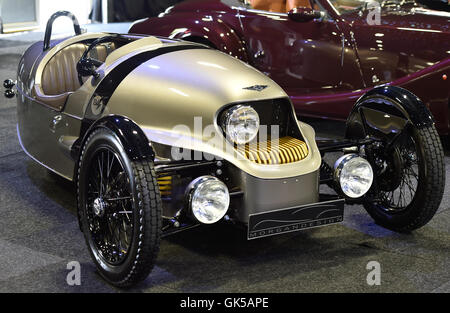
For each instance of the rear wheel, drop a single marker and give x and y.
(120, 210)
(410, 179)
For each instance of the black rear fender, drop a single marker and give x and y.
(386, 111)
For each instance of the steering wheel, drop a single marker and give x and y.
(86, 66)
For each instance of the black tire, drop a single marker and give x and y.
(123, 234)
(429, 188)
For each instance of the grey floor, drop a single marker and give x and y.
(39, 235)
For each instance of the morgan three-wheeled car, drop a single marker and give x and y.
(162, 135)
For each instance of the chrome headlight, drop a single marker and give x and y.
(354, 175)
(241, 124)
(208, 199)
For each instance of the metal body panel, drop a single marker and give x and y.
(45, 135)
(258, 194)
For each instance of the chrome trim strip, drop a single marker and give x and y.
(36, 160)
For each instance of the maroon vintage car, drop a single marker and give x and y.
(325, 53)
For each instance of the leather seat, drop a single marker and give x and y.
(280, 6)
(269, 5)
(60, 76)
(292, 4)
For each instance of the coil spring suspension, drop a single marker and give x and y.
(165, 186)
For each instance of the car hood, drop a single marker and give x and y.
(173, 88)
(175, 99)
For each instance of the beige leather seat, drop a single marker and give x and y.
(60, 76)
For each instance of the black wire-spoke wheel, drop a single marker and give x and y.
(119, 208)
(399, 180)
(409, 179)
(109, 206)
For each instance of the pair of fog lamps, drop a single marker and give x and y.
(208, 197)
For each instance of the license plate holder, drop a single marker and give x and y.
(288, 220)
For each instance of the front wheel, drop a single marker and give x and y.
(120, 210)
(410, 179)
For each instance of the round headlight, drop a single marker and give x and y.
(241, 124)
(208, 198)
(354, 175)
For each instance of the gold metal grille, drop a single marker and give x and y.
(282, 151)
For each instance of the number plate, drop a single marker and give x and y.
(295, 219)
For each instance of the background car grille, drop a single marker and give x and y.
(282, 151)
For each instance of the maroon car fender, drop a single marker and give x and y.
(198, 28)
(393, 105)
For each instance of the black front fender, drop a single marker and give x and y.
(387, 110)
(129, 133)
(131, 136)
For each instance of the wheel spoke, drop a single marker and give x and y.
(110, 165)
(401, 179)
(119, 198)
(110, 221)
(101, 176)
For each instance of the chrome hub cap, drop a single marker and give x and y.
(99, 207)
